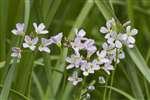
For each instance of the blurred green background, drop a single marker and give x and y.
(37, 75)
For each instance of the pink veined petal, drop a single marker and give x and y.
(25, 45)
(110, 40)
(44, 32)
(20, 27)
(41, 26)
(46, 49)
(70, 66)
(14, 31)
(35, 26)
(124, 37)
(131, 39)
(130, 45)
(81, 33)
(104, 30)
(128, 29)
(134, 32)
(27, 39)
(103, 53)
(68, 59)
(118, 44)
(35, 40)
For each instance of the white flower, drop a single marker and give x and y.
(30, 43)
(90, 47)
(115, 39)
(74, 78)
(78, 42)
(102, 57)
(19, 29)
(40, 29)
(128, 37)
(16, 52)
(44, 45)
(57, 39)
(89, 67)
(108, 27)
(74, 61)
(107, 68)
(107, 46)
(101, 79)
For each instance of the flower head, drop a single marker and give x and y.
(19, 29)
(16, 52)
(74, 78)
(40, 29)
(30, 43)
(44, 45)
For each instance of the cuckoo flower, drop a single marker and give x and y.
(16, 52)
(57, 39)
(102, 57)
(74, 78)
(74, 61)
(19, 29)
(77, 44)
(128, 37)
(89, 45)
(40, 29)
(89, 67)
(30, 43)
(115, 39)
(44, 45)
(107, 68)
(108, 27)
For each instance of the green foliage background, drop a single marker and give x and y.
(41, 76)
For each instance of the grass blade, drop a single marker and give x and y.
(121, 92)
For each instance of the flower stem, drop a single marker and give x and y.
(113, 74)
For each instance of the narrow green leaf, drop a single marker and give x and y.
(8, 81)
(17, 93)
(121, 92)
(38, 85)
(140, 62)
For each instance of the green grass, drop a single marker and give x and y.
(41, 76)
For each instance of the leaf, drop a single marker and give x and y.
(121, 92)
(140, 62)
(2, 64)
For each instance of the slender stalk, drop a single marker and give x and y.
(113, 74)
(105, 90)
(8, 81)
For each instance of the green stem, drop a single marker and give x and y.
(113, 74)
(105, 90)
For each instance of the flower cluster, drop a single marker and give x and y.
(109, 55)
(33, 41)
